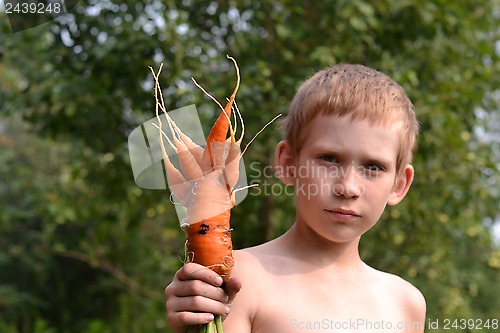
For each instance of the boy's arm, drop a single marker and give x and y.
(195, 294)
(416, 310)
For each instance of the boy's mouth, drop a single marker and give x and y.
(343, 214)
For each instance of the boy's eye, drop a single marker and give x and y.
(328, 158)
(373, 167)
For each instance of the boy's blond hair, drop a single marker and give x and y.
(356, 91)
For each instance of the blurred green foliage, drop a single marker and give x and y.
(83, 249)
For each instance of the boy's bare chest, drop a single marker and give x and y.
(295, 306)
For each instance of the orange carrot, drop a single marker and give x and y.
(209, 237)
(222, 124)
(204, 185)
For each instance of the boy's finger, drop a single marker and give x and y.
(199, 288)
(232, 287)
(183, 319)
(196, 304)
(192, 271)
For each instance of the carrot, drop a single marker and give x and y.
(204, 185)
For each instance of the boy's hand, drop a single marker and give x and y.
(195, 294)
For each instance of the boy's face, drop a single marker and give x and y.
(344, 176)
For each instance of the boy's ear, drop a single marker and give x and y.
(401, 185)
(284, 164)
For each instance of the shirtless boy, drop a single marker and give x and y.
(348, 145)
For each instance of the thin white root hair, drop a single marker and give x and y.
(262, 129)
(244, 188)
(235, 120)
(232, 127)
(166, 137)
(233, 95)
(171, 199)
(216, 101)
(207, 94)
(242, 123)
(160, 102)
(175, 132)
(178, 130)
(162, 106)
(238, 78)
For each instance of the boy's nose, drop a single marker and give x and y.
(348, 184)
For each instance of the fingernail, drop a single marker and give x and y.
(227, 310)
(218, 280)
(209, 317)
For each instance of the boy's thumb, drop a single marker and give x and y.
(232, 287)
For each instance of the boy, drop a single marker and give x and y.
(348, 145)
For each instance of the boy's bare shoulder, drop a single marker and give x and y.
(404, 293)
(251, 258)
(245, 260)
(265, 257)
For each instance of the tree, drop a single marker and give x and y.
(74, 216)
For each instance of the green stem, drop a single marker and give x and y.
(210, 327)
(218, 323)
(215, 326)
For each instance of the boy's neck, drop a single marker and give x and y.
(304, 244)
